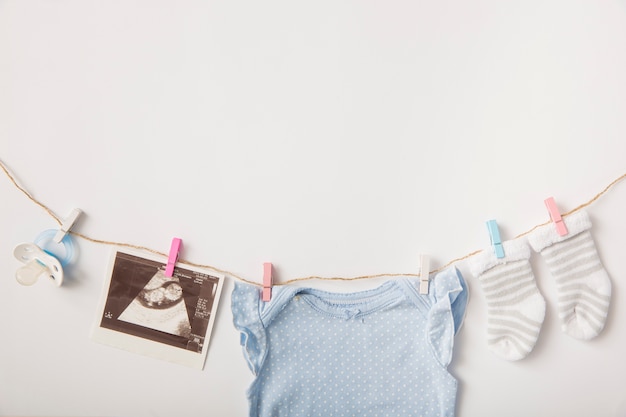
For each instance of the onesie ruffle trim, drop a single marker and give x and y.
(449, 296)
(245, 306)
(547, 235)
(443, 308)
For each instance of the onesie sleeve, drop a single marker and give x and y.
(447, 313)
(245, 306)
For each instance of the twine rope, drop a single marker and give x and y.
(293, 280)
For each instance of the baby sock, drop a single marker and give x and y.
(515, 306)
(582, 284)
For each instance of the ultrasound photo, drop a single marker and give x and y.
(145, 311)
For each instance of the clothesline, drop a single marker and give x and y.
(294, 280)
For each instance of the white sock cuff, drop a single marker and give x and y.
(514, 250)
(547, 235)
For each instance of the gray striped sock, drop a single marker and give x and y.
(515, 307)
(582, 284)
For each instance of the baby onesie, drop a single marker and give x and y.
(381, 352)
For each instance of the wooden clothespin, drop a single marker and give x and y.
(268, 281)
(424, 273)
(496, 241)
(67, 224)
(561, 229)
(173, 257)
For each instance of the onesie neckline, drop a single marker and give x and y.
(353, 304)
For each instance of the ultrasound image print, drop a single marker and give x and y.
(143, 302)
(160, 306)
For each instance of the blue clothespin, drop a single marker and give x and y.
(494, 235)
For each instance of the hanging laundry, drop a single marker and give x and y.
(582, 283)
(382, 352)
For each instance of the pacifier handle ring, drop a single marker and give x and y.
(47, 236)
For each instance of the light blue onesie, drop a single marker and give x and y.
(382, 352)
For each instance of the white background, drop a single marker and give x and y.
(333, 138)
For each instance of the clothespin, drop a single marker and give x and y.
(424, 273)
(67, 224)
(561, 229)
(173, 257)
(494, 235)
(267, 281)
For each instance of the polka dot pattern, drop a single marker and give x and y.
(382, 352)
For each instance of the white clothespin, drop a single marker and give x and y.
(67, 225)
(424, 274)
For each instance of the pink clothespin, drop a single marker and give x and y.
(561, 229)
(267, 281)
(171, 261)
